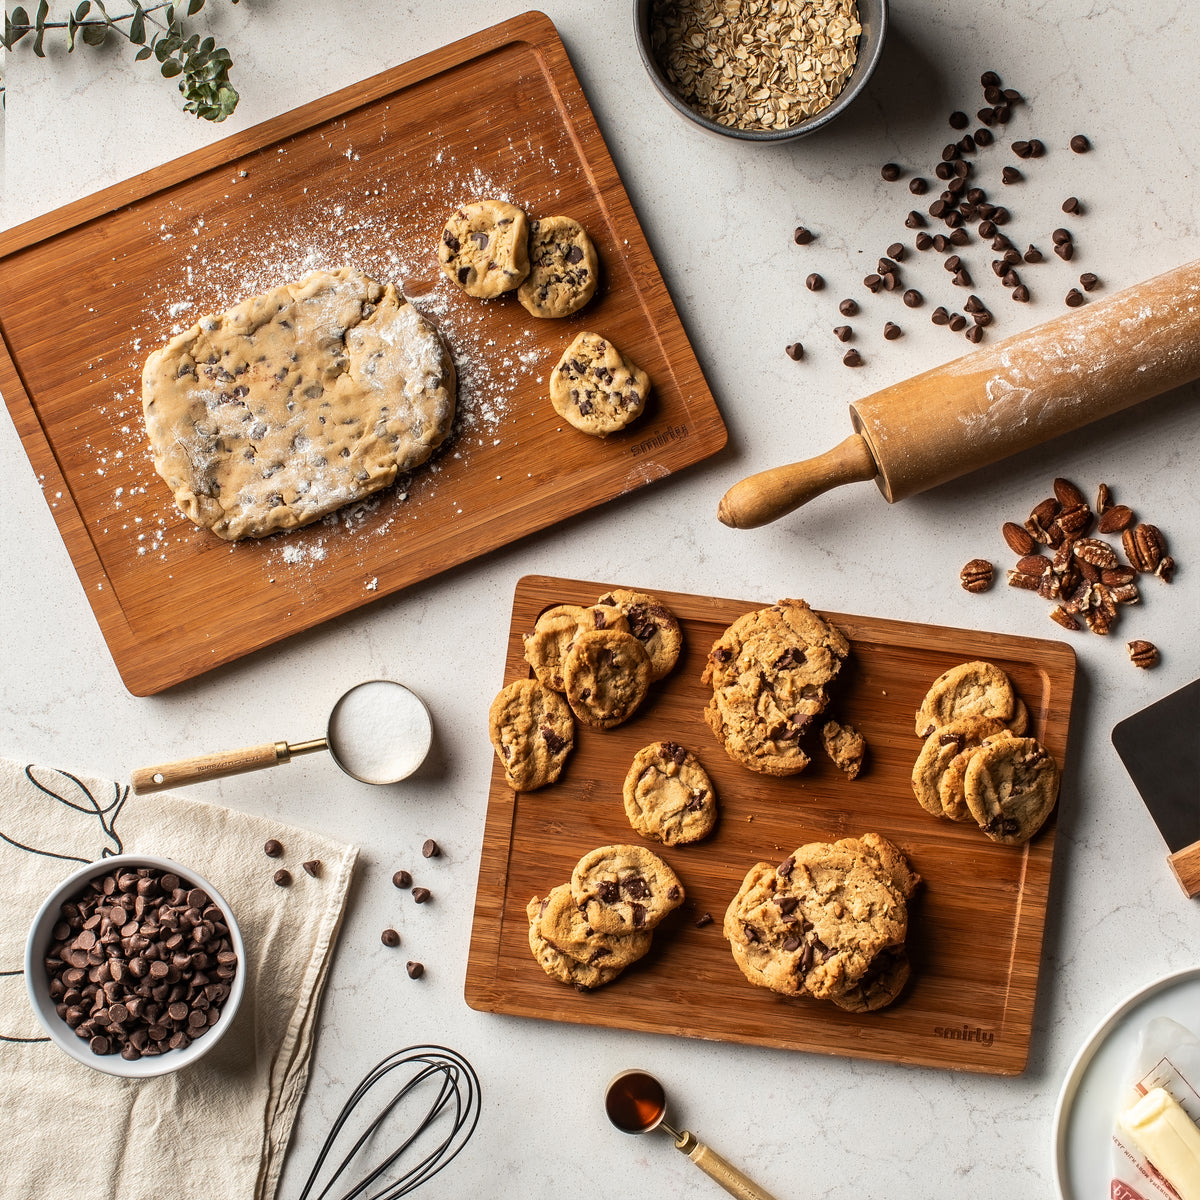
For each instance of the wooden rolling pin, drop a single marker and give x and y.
(999, 400)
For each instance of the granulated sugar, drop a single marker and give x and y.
(380, 732)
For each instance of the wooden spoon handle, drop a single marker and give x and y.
(765, 497)
(208, 766)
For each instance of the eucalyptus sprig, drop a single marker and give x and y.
(201, 65)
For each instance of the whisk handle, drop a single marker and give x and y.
(713, 1165)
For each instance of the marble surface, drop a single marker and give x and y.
(719, 217)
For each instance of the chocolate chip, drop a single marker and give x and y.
(852, 358)
(987, 116)
(795, 351)
(1010, 175)
(891, 281)
(1036, 148)
(283, 877)
(1074, 298)
(940, 316)
(402, 879)
(913, 298)
(952, 263)
(1080, 144)
(966, 143)
(1010, 256)
(922, 241)
(1060, 237)
(959, 120)
(430, 849)
(914, 220)
(848, 307)
(1013, 96)
(918, 186)
(892, 331)
(957, 322)
(1000, 242)
(940, 242)
(1020, 293)
(1010, 279)
(705, 918)
(415, 970)
(389, 937)
(1071, 205)
(1089, 281)
(950, 152)
(873, 282)
(1001, 216)
(1032, 255)
(953, 219)
(802, 236)
(974, 334)
(983, 317)
(1003, 113)
(983, 137)
(959, 237)
(897, 251)
(944, 170)
(1022, 149)
(843, 333)
(993, 95)
(974, 304)
(890, 171)
(885, 266)
(962, 277)
(814, 282)
(421, 894)
(312, 867)
(272, 848)
(1065, 250)
(989, 79)
(987, 228)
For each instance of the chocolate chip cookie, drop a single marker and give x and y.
(971, 689)
(563, 268)
(595, 388)
(562, 923)
(653, 624)
(485, 248)
(845, 746)
(547, 645)
(769, 672)
(582, 976)
(936, 793)
(606, 675)
(669, 796)
(624, 889)
(1011, 786)
(532, 732)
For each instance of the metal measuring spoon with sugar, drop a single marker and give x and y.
(378, 732)
(637, 1103)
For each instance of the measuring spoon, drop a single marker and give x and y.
(378, 732)
(637, 1103)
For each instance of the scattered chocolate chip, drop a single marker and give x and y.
(1011, 175)
(1003, 113)
(415, 970)
(843, 333)
(814, 282)
(795, 352)
(1071, 205)
(431, 849)
(974, 334)
(999, 267)
(966, 143)
(848, 307)
(1080, 144)
(987, 116)
(983, 137)
(922, 241)
(950, 152)
(959, 237)
(914, 220)
(389, 937)
(1060, 237)
(987, 228)
(974, 304)
(885, 266)
(913, 299)
(1036, 148)
(891, 281)
(890, 171)
(283, 877)
(952, 263)
(421, 894)
(989, 79)
(962, 278)
(1001, 216)
(873, 282)
(1021, 149)
(983, 317)
(897, 251)
(1089, 282)
(957, 322)
(852, 358)
(992, 94)
(705, 918)
(892, 331)
(918, 186)
(1000, 242)
(1010, 279)
(802, 236)
(1032, 255)
(1074, 298)
(401, 879)
(941, 243)
(1065, 250)
(959, 120)
(940, 316)
(1020, 293)
(312, 867)
(272, 848)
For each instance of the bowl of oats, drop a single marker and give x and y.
(760, 70)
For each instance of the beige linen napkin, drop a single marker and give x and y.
(219, 1127)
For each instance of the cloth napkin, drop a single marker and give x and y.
(220, 1126)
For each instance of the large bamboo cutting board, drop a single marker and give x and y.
(365, 177)
(976, 925)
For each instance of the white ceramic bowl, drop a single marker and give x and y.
(37, 983)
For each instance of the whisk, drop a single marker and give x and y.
(451, 1087)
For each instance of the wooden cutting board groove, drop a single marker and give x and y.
(976, 923)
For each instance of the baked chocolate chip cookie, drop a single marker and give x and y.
(669, 796)
(582, 976)
(485, 248)
(564, 924)
(563, 268)
(845, 746)
(936, 781)
(606, 675)
(532, 732)
(1011, 786)
(623, 889)
(971, 689)
(595, 388)
(653, 624)
(547, 645)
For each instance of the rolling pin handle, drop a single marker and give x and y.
(765, 497)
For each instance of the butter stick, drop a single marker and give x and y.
(1166, 1135)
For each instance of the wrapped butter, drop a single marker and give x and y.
(1169, 1138)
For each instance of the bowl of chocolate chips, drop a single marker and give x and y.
(134, 965)
(760, 70)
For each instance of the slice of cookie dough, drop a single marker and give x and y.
(653, 624)
(1011, 786)
(582, 976)
(563, 268)
(485, 248)
(532, 731)
(564, 924)
(595, 388)
(296, 402)
(606, 676)
(624, 889)
(669, 796)
(971, 689)
(845, 746)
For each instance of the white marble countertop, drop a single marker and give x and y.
(719, 218)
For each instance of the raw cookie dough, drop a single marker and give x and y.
(563, 268)
(595, 388)
(668, 795)
(293, 403)
(653, 624)
(484, 248)
(532, 731)
(623, 889)
(606, 675)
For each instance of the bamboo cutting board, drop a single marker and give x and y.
(366, 177)
(976, 922)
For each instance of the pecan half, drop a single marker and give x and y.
(1074, 521)
(977, 575)
(1144, 546)
(1093, 550)
(1142, 653)
(1125, 593)
(1018, 579)
(1064, 618)
(1118, 575)
(1097, 620)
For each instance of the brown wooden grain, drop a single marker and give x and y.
(976, 923)
(80, 289)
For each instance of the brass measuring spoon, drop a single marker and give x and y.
(637, 1103)
(378, 732)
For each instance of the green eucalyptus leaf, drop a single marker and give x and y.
(208, 45)
(142, 54)
(19, 16)
(194, 7)
(37, 43)
(42, 13)
(72, 25)
(170, 14)
(95, 35)
(137, 27)
(171, 68)
(83, 9)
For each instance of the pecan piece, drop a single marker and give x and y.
(1116, 519)
(1040, 522)
(1124, 593)
(1097, 620)
(1142, 653)
(1144, 546)
(1018, 539)
(1074, 521)
(977, 575)
(1103, 498)
(1165, 569)
(1063, 618)
(1118, 576)
(1028, 583)
(1067, 494)
(1094, 551)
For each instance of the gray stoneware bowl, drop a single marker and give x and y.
(872, 16)
(37, 983)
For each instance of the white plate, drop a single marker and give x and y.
(1099, 1076)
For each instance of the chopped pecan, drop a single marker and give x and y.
(1118, 575)
(1097, 620)
(1062, 558)
(1063, 618)
(1041, 521)
(1116, 519)
(1068, 495)
(1093, 550)
(977, 575)
(1028, 583)
(1142, 653)
(1079, 599)
(1124, 593)
(1074, 521)
(1165, 569)
(1102, 601)
(1018, 539)
(1103, 498)
(1049, 586)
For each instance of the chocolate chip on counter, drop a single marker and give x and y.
(941, 243)
(1013, 96)
(952, 263)
(890, 171)
(989, 79)
(944, 171)
(897, 251)
(1065, 250)
(1022, 149)
(950, 152)
(1088, 281)
(913, 299)
(1011, 175)
(421, 894)
(873, 282)
(795, 352)
(940, 316)
(987, 116)
(987, 228)
(283, 877)
(1001, 216)
(843, 333)
(272, 848)
(402, 879)
(892, 331)
(430, 849)
(848, 307)
(389, 937)
(953, 219)
(983, 137)
(705, 918)
(922, 241)
(415, 969)
(852, 358)
(885, 266)
(1020, 293)
(957, 322)
(974, 334)
(1010, 279)
(1003, 113)
(1036, 148)
(918, 186)
(1032, 254)
(974, 304)
(1080, 144)
(959, 120)
(1060, 237)
(959, 237)
(1071, 205)
(914, 220)
(992, 94)
(1074, 298)
(891, 281)
(802, 236)
(962, 278)
(983, 317)
(312, 867)
(814, 282)
(1000, 242)
(966, 143)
